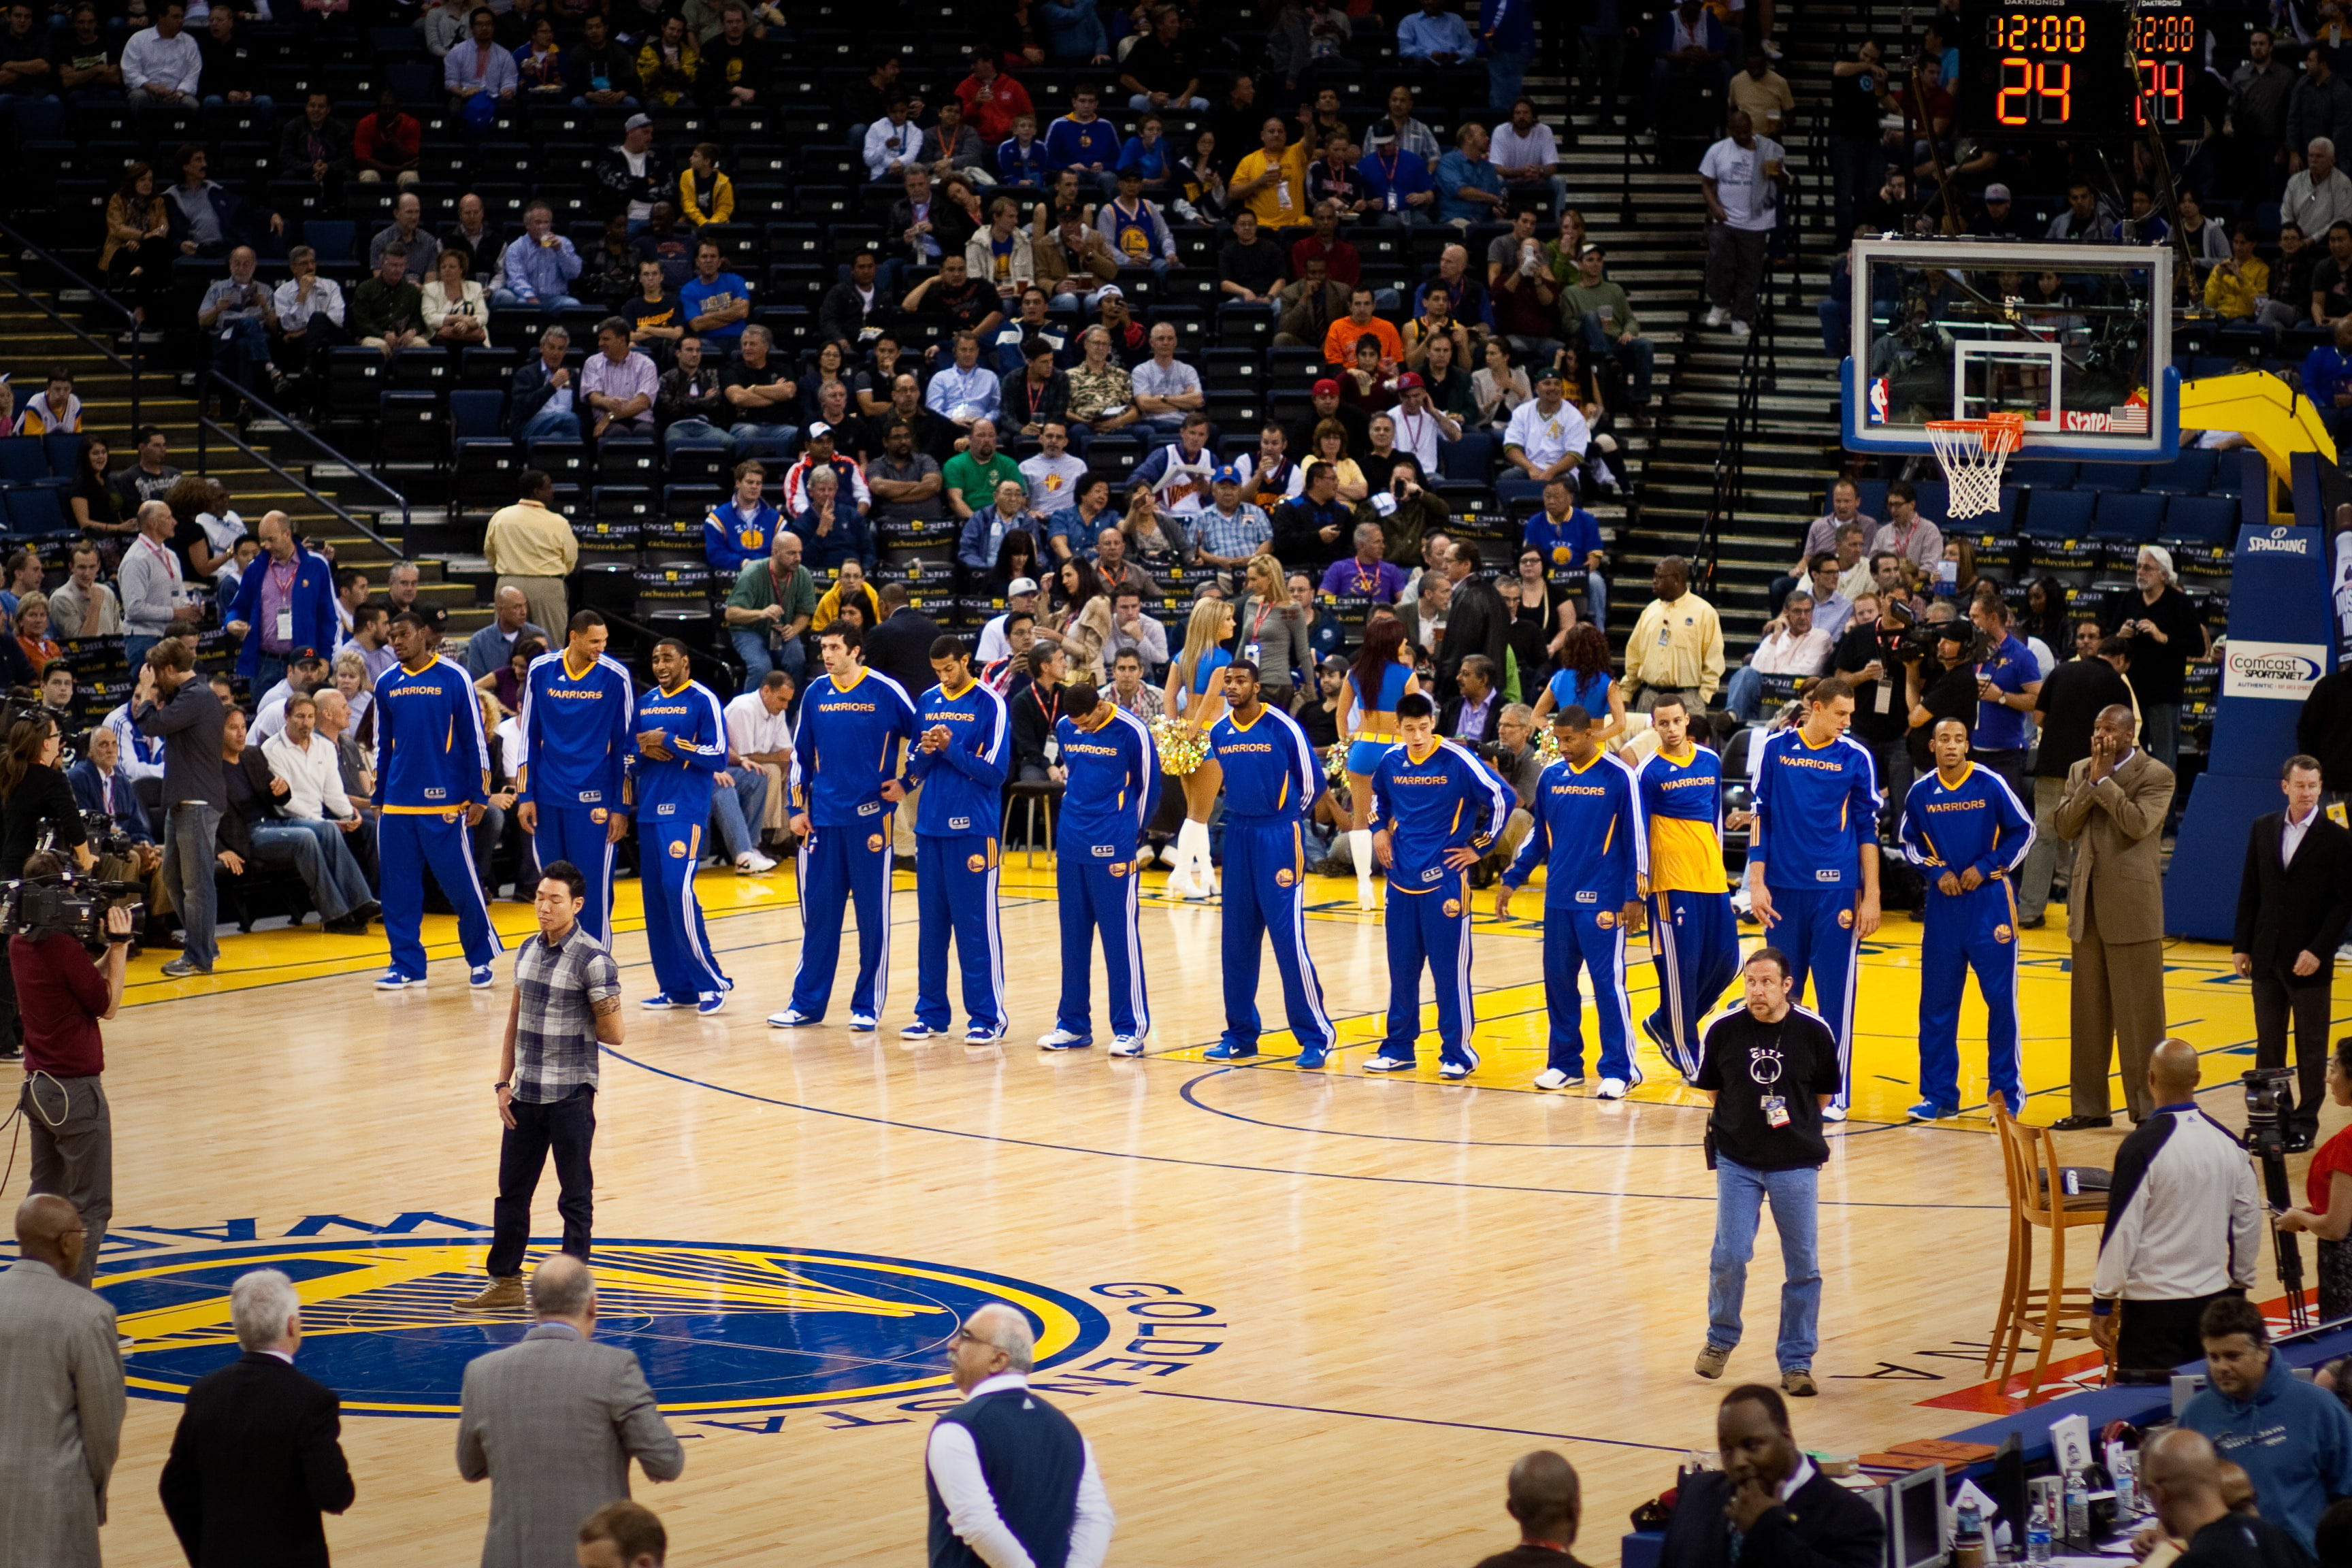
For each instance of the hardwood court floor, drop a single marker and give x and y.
(1400, 1285)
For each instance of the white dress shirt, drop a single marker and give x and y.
(313, 776)
(751, 727)
(294, 312)
(953, 1460)
(2290, 836)
(1781, 653)
(175, 62)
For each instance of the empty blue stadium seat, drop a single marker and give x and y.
(2189, 474)
(22, 461)
(2124, 518)
(2059, 514)
(2040, 474)
(2205, 521)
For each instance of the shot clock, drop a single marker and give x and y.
(2075, 68)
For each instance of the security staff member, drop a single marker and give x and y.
(845, 781)
(1112, 790)
(1693, 935)
(1272, 780)
(1968, 832)
(432, 783)
(1589, 834)
(1813, 858)
(965, 735)
(1435, 810)
(577, 721)
(681, 747)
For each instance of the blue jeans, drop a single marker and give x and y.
(135, 650)
(315, 848)
(190, 841)
(735, 813)
(758, 659)
(505, 298)
(552, 424)
(1743, 694)
(261, 103)
(1739, 1194)
(765, 440)
(1596, 598)
(1639, 357)
(627, 103)
(1857, 167)
(695, 430)
(1506, 70)
(268, 669)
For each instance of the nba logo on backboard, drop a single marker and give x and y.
(1878, 401)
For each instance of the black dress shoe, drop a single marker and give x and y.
(2036, 923)
(2300, 1142)
(2081, 1123)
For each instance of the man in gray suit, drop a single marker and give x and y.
(2113, 811)
(60, 1394)
(554, 1421)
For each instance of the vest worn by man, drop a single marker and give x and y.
(1033, 1457)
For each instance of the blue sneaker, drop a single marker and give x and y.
(1226, 1051)
(1657, 1033)
(1928, 1110)
(390, 980)
(709, 1002)
(659, 1003)
(918, 1030)
(1312, 1059)
(480, 977)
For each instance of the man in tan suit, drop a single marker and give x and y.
(2114, 807)
(554, 1421)
(60, 1394)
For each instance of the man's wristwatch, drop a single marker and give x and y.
(503, 1083)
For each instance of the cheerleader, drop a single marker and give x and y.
(1194, 701)
(1367, 701)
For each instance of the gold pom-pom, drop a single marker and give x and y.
(1183, 749)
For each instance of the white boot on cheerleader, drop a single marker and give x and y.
(1359, 850)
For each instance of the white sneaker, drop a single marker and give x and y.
(861, 1023)
(982, 1034)
(1613, 1088)
(1716, 315)
(752, 861)
(1740, 329)
(920, 1032)
(1454, 1069)
(1126, 1045)
(1388, 1064)
(1063, 1040)
(790, 1018)
(1553, 1078)
(1833, 1113)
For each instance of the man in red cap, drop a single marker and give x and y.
(1421, 424)
(1326, 405)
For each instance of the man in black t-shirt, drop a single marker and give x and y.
(2183, 1476)
(2165, 631)
(1857, 163)
(1768, 1068)
(2331, 278)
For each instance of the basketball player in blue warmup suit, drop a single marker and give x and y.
(681, 745)
(1588, 812)
(1812, 860)
(845, 783)
(578, 707)
(963, 735)
(1272, 778)
(1693, 935)
(1113, 789)
(431, 781)
(1968, 832)
(1436, 810)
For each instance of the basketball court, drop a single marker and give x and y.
(1287, 1307)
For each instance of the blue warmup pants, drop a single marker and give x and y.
(1100, 895)
(568, 833)
(1265, 896)
(406, 844)
(1695, 946)
(1975, 931)
(1432, 928)
(1816, 931)
(1592, 940)
(955, 893)
(838, 864)
(669, 849)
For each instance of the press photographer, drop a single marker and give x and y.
(64, 999)
(1940, 664)
(36, 812)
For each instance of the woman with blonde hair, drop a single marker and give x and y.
(1195, 697)
(1275, 628)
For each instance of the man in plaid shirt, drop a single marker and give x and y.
(567, 1005)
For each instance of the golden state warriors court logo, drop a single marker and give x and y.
(719, 1327)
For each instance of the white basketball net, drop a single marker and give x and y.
(1973, 452)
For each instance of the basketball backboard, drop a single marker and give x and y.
(2077, 338)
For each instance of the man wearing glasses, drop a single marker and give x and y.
(1009, 1479)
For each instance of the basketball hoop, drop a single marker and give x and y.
(1972, 452)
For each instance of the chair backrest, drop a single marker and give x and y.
(2015, 1167)
(478, 414)
(2128, 517)
(2059, 514)
(22, 459)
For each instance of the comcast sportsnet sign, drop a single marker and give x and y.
(2287, 670)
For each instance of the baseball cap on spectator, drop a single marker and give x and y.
(1408, 379)
(1020, 585)
(1326, 388)
(1995, 193)
(635, 121)
(1228, 474)
(1108, 291)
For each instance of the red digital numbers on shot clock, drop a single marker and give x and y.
(2094, 67)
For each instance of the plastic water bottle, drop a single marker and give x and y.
(2126, 1469)
(2037, 1535)
(2078, 1507)
(1970, 1522)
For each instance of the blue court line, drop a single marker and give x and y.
(1415, 1420)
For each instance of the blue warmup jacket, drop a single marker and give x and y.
(847, 747)
(1588, 828)
(1442, 800)
(430, 752)
(1816, 807)
(578, 733)
(963, 782)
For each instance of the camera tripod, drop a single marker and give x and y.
(2269, 1100)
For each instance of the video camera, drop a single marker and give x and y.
(73, 904)
(1906, 637)
(106, 838)
(14, 707)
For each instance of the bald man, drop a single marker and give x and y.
(60, 1394)
(2181, 1476)
(2184, 1226)
(1546, 1499)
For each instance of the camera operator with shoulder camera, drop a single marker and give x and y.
(65, 997)
(1868, 655)
(1939, 673)
(36, 811)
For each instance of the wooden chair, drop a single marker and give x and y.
(2038, 1200)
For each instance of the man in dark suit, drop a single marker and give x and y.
(1476, 623)
(1782, 1512)
(257, 1454)
(2293, 903)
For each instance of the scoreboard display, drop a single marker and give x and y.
(2075, 68)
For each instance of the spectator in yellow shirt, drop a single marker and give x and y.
(2230, 288)
(704, 194)
(1272, 181)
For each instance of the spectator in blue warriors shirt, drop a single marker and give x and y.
(741, 529)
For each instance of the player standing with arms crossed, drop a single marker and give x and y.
(1438, 810)
(680, 753)
(1812, 860)
(959, 760)
(845, 781)
(432, 782)
(1588, 812)
(1693, 935)
(1272, 779)
(1967, 832)
(578, 707)
(1113, 790)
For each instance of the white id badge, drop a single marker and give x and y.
(286, 626)
(1886, 697)
(1776, 1111)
